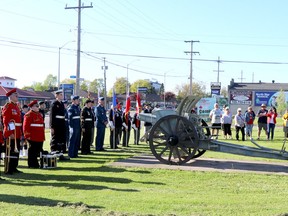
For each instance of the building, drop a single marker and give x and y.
(254, 94)
(7, 82)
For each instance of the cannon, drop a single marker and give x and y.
(177, 136)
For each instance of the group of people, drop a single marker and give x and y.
(244, 122)
(71, 127)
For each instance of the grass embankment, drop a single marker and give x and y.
(89, 186)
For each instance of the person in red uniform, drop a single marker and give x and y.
(12, 129)
(34, 132)
(1, 135)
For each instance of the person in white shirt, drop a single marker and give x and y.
(226, 120)
(240, 124)
(216, 115)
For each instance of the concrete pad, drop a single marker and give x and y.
(207, 164)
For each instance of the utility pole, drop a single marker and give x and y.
(191, 59)
(241, 78)
(78, 43)
(218, 70)
(105, 94)
(253, 77)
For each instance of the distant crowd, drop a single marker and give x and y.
(244, 122)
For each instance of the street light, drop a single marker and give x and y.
(127, 89)
(59, 51)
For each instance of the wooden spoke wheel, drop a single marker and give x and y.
(173, 140)
(207, 133)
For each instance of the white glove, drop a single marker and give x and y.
(111, 124)
(134, 127)
(125, 126)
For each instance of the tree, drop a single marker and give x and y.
(224, 92)
(120, 85)
(281, 102)
(168, 96)
(97, 84)
(140, 83)
(161, 91)
(50, 81)
(198, 90)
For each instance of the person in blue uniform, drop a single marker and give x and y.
(101, 122)
(74, 127)
(87, 124)
(58, 125)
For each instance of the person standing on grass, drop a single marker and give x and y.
(271, 122)
(58, 125)
(126, 119)
(34, 132)
(285, 123)
(101, 122)
(249, 121)
(239, 124)
(216, 115)
(226, 120)
(87, 124)
(74, 122)
(262, 120)
(12, 129)
(136, 125)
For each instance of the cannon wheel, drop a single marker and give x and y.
(173, 140)
(208, 133)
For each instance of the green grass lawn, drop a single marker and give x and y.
(90, 186)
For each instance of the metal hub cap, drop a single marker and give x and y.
(173, 140)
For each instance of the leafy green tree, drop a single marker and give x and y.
(97, 84)
(198, 90)
(161, 91)
(50, 81)
(281, 102)
(120, 85)
(224, 92)
(38, 86)
(68, 81)
(140, 83)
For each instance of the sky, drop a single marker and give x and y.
(249, 37)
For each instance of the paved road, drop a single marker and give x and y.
(208, 164)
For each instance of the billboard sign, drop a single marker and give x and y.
(204, 107)
(267, 97)
(241, 97)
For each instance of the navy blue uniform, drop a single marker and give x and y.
(115, 134)
(126, 118)
(101, 121)
(74, 130)
(57, 122)
(87, 119)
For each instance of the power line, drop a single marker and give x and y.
(140, 56)
(191, 60)
(79, 8)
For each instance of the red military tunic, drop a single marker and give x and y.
(11, 112)
(33, 126)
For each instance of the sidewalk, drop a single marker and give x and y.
(208, 164)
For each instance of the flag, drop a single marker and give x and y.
(114, 100)
(98, 93)
(128, 106)
(138, 103)
(128, 103)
